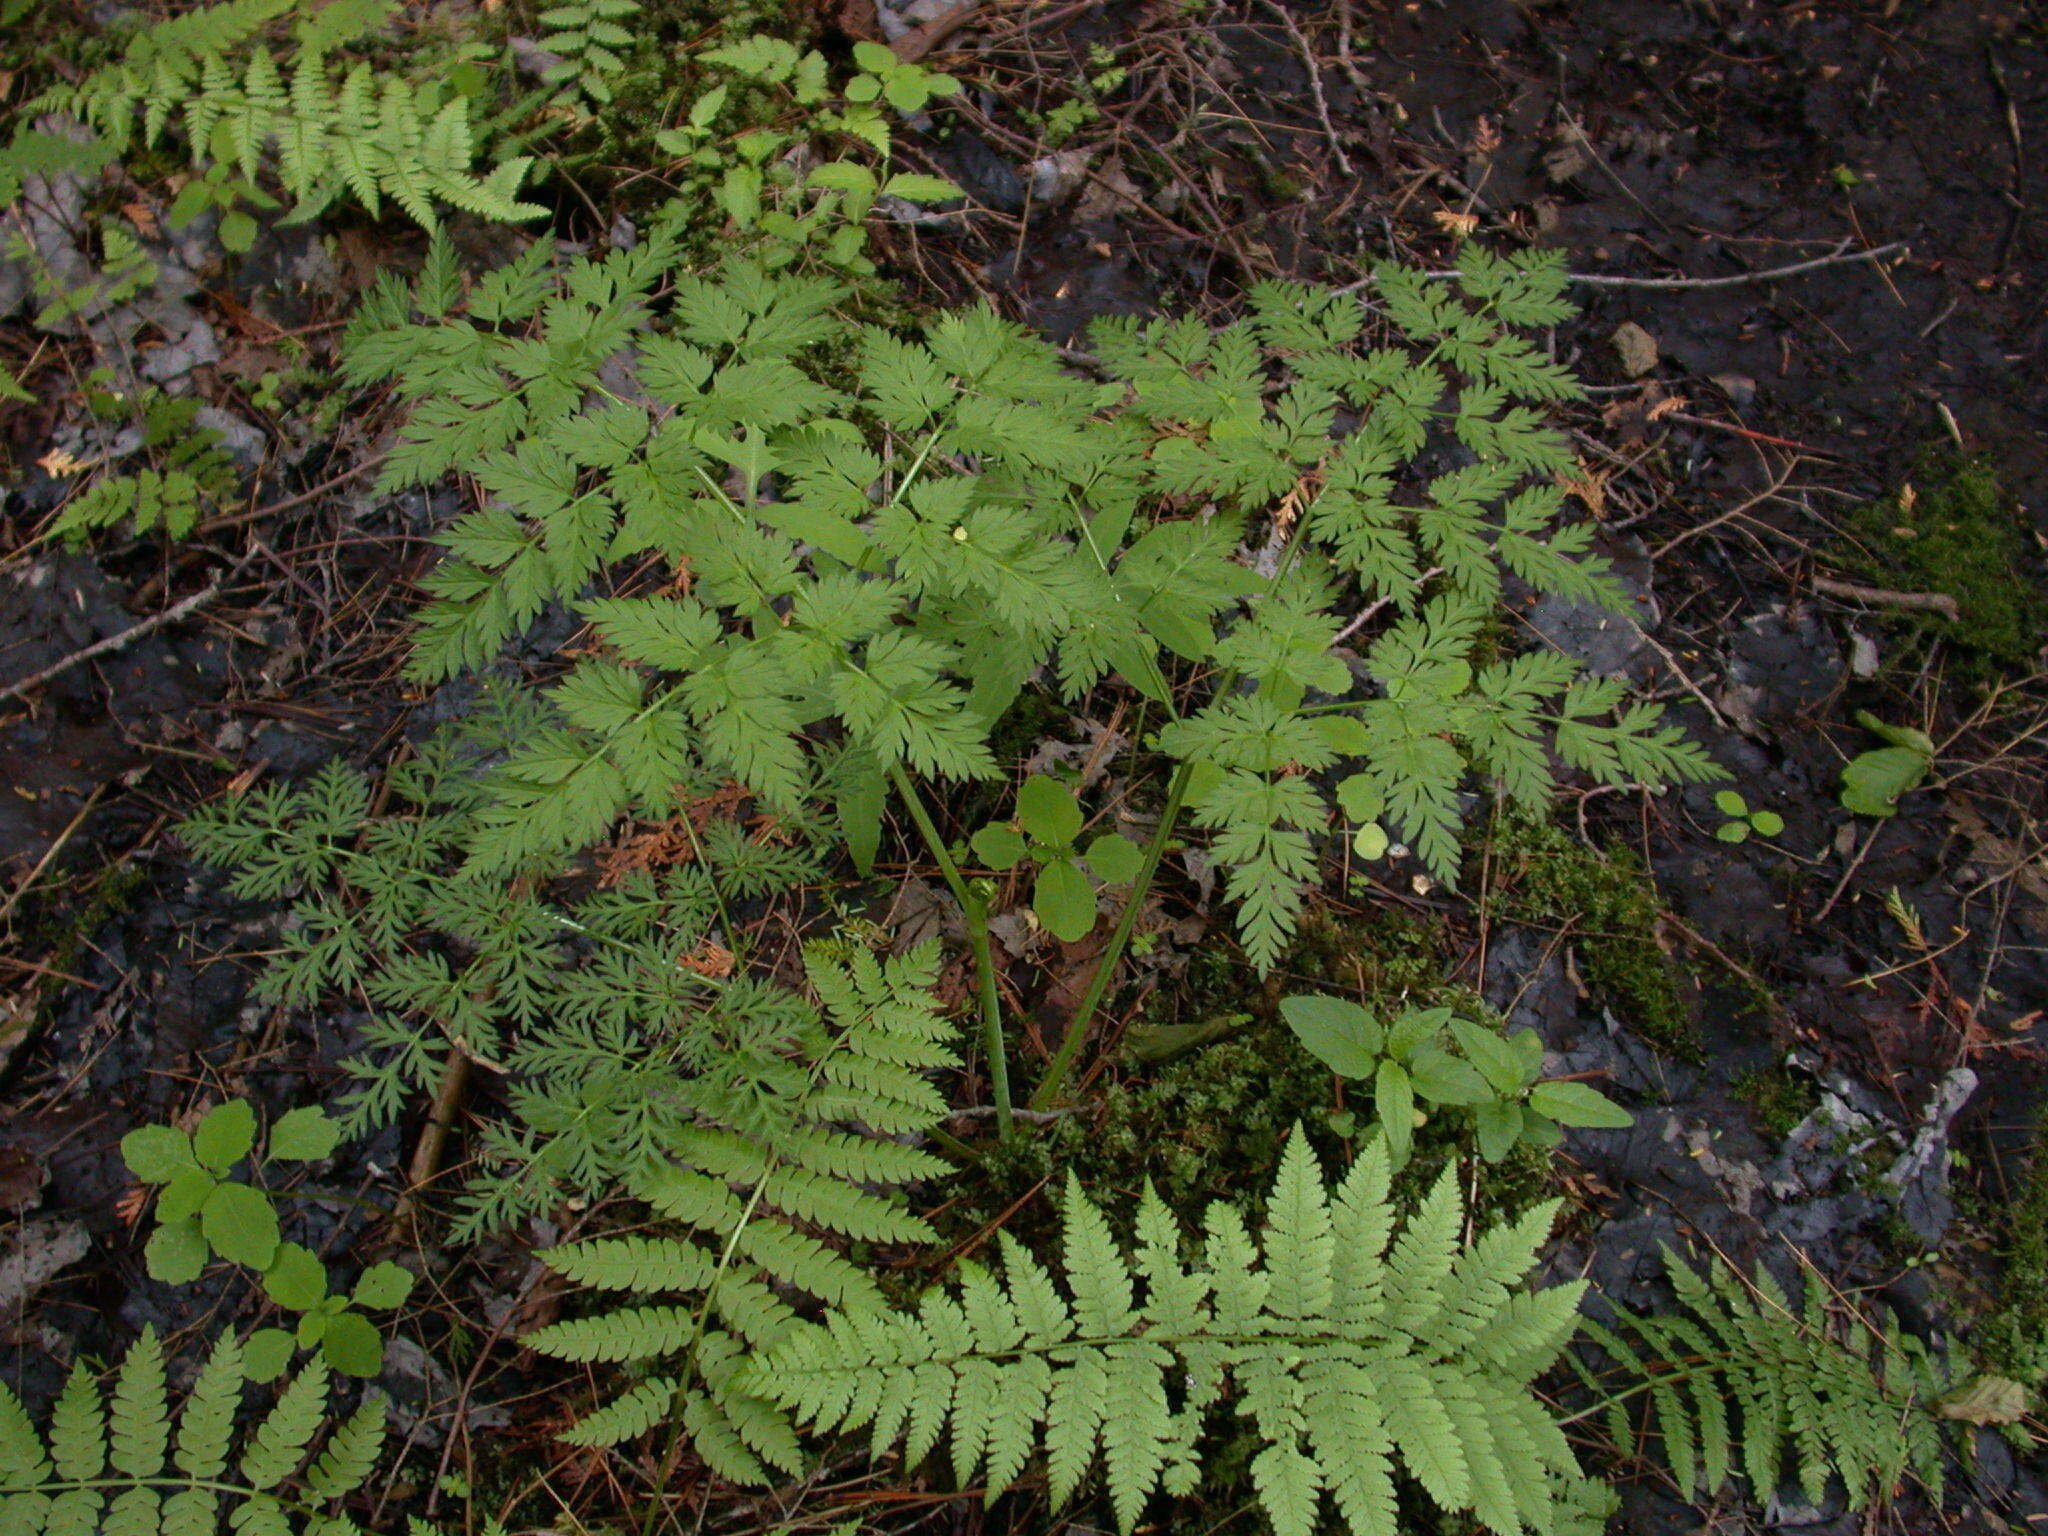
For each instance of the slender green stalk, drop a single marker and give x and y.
(975, 910)
(1112, 953)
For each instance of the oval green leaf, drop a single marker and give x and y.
(1571, 1103)
(1394, 1100)
(304, 1135)
(1064, 901)
(352, 1345)
(1047, 811)
(1115, 859)
(998, 846)
(225, 1136)
(240, 1224)
(176, 1252)
(1336, 1031)
(156, 1154)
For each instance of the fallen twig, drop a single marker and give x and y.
(1881, 597)
(127, 637)
(1315, 82)
(1835, 258)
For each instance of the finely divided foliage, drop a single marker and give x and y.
(601, 1011)
(788, 1156)
(898, 534)
(327, 127)
(127, 1465)
(1355, 1355)
(1739, 1380)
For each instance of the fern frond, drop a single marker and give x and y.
(777, 1163)
(1738, 1378)
(76, 1481)
(1343, 1398)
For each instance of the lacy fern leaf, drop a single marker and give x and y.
(1355, 1362)
(791, 1151)
(332, 129)
(1740, 1380)
(128, 1464)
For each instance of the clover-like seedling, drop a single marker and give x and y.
(1742, 820)
(1044, 833)
(1499, 1078)
(350, 1342)
(203, 1214)
(1363, 803)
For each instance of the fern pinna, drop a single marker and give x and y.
(126, 1464)
(1354, 1354)
(792, 1151)
(1738, 1379)
(899, 534)
(327, 128)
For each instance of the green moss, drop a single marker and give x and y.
(1780, 1097)
(2013, 1338)
(1608, 903)
(1956, 532)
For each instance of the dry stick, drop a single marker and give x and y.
(1315, 82)
(126, 638)
(1835, 258)
(921, 40)
(1732, 513)
(1880, 597)
(426, 1156)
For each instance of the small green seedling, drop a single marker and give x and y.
(203, 1214)
(221, 186)
(1499, 1078)
(1363, 803)
(1743, 821)
(1048, 821)
(838, 192)
(1873, 781)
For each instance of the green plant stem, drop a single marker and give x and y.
(1098, 984)
(975, 910)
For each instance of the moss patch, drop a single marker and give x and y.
(1780, 1097)
(1954, 529)
(1609, 904)
(2013, 1338)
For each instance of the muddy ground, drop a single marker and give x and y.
(1883, 974)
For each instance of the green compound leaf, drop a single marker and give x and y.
(304, 1135)
(225, 1136)
(240, 1225)
(1047, 810)
(1064, 900)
